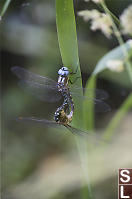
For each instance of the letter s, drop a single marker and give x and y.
(125, 175)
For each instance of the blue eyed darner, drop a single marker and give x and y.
(49, 90)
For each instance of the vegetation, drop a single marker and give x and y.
(33, 36)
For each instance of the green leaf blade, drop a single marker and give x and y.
(66, 28)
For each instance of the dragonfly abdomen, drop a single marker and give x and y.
(65, 112)
(71, 104)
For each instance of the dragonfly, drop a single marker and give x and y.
(47, 89)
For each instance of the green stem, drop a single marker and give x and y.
(120, 40)
(126, 106)
(112, 15)
(83, 152)
(6, 4)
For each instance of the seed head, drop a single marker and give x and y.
(99, 21)
(126, 20)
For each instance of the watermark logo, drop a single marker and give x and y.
(125, 184)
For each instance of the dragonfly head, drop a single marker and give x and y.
(63, 71)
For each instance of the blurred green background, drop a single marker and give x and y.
(40, 162)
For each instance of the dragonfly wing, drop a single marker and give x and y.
(100, 106)
(92, 137)
(34, 120)
(26, 75)
(96, 93)
(49, 123)
(42, 92)
(75, 130)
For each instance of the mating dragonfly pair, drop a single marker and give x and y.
(49, 90)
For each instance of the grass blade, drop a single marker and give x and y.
(5, 6)
(110, 130)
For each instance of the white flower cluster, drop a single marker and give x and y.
(130, 42)
(99, 21)
(126, 20)
(115, 65)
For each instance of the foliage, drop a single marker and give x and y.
(29, 33)
(69, 53)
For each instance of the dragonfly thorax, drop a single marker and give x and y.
(62, 82)
(63, 78)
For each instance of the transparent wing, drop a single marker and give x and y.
(49, 123)
(92, 137)
(75, 130)
(98, 93)
(43, 88)
(26, 75)
(99, 105)
(46, 89)
(34, 120)
(42, 92)
(96, 96)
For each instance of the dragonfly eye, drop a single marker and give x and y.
(63, 71)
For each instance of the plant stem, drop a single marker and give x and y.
(6, 4)
(82, 149)
(112, 15)
(126, 106)
(120, 40)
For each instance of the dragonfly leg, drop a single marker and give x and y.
(73, 73)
